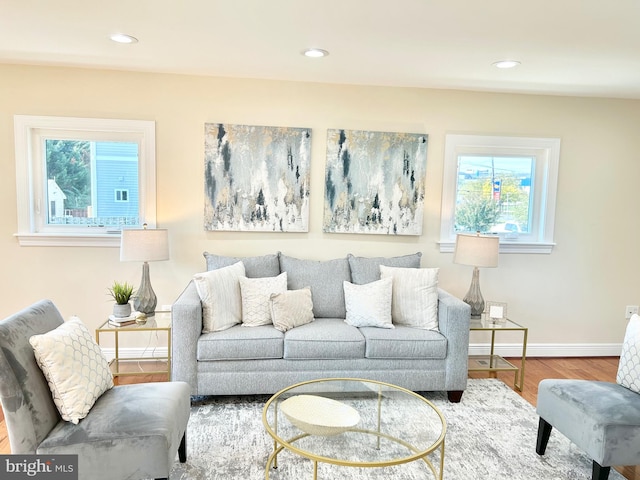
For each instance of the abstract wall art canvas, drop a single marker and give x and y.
(256, 178)
(375, 182)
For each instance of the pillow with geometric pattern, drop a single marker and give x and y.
(629, 366)
(74, 366)
(256, 292)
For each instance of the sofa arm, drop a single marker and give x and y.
(186, 328)
(454, 317)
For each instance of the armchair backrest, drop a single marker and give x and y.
(26, 399)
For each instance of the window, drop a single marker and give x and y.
(96, 176)
(503, 186)
(121, 195)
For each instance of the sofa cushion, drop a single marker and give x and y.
(415, 296)
(255, 267)
(629, 365)
(325, 280)
(238, 343)
(74, 366)
(219, 292)
(367, 269)
(291, 309)
(404, 342)
(324, 338)
(255, 294)
(369, 305)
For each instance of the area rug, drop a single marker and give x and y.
(491, 435)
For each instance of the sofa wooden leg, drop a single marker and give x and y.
(599, 472)
(544, 432)
(182, 449)
(455, 395)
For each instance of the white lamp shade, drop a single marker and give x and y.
(144, 245)
(477, 250)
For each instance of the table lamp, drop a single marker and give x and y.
(478, 251)
(144, 245)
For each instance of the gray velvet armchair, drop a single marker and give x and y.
(601, 418)
(131, 432)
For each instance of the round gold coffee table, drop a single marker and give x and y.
(354, 422)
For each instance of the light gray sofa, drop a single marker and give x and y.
(263, 360)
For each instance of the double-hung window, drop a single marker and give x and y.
(81, 180)
(504, 186)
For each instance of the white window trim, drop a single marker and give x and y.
(547, 152)
(27, 129)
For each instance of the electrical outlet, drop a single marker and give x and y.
(630, 310)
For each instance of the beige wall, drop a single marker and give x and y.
(574, 297)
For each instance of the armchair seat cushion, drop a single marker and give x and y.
(136, 423)
(601, 418)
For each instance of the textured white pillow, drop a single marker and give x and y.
(629, 366)
(256, 292)
(415, 296)
(74, 366)
(219, 291)
(291, 309)
(369, 305)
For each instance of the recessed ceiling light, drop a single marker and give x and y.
(315, 53)
(506, 64)
(123, 38)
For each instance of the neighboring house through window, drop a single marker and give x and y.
(503, 186)
(96, 176)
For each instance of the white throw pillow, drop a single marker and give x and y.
(74, 366)
(369, 305)
(291, 309)
(256, 292)
(629, 366)
(415, 296)
(219, 291)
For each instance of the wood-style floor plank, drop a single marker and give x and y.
(537, 369)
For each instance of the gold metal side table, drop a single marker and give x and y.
(495, 363)
(160, 322)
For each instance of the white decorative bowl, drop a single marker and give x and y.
(319, 415)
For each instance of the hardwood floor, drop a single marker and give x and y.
(537, 369)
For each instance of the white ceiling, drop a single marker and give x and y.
(567, 47)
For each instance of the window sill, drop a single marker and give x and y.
(68, 240)
(507, 247)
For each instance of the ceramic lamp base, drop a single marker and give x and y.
(473, 297)
(145, 300)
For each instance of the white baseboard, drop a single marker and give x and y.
(503, 349)
(550, 349)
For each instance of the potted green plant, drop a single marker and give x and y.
(121, 293)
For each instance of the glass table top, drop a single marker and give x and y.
(394, 425)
